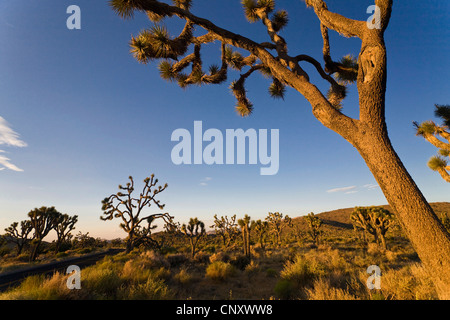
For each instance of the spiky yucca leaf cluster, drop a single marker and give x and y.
(425, 128)
(436, 163)
(125, 8)
(243, 107)
(277, 89)
(336, 94)
(236, 60)
(443, 112)
(255, 9)
(347, 70)
(439, 136)
(155, 43)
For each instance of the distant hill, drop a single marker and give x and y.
(339, 220)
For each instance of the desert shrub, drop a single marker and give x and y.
(101, 283)
(219, 256)
(4, 251)
(408, 283)
(183, 277)
(252, 268)
(39, 287)
(303, 271)
(323, 290)
(284, 289)
(271, 273)
(153, 288)
(220, 270)
(201, 257)
(152, 259)
(176, 259)
(374, 249)
(240, 261)
(62, 254)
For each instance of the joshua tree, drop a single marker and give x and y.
(225, 228)
(123, 205)
(19, 236)
(194, 230)
(261, 228)
(64, 225)
(277, 223)
(438, 136)
(368, 133)
(245, 225)
(43, 220)
(375, 220)
(314, 223)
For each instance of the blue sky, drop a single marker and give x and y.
(82, 115)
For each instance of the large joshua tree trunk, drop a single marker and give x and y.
(422, 227)
(368, 134)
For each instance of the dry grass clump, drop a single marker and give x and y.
(39, 288)
(323, 290)
(220, 270)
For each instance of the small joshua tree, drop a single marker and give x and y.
(123, 205)
(19, 236)
(277, 223)
(375, 220)
(314, 223)
(226, 228)
(194, 230)
(64, 225)
(43, 220)
(438, 136)
(245, 225)
(261, 229)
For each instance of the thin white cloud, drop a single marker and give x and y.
(4, 161)
(11, 138)
(8, 136)
(204, 181)
(344, 189)
(370, 186)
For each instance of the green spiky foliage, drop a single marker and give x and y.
(374, 220)
(439, 136)
(314, 224)
(194, 230)
(245, 224)
(129, 209)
